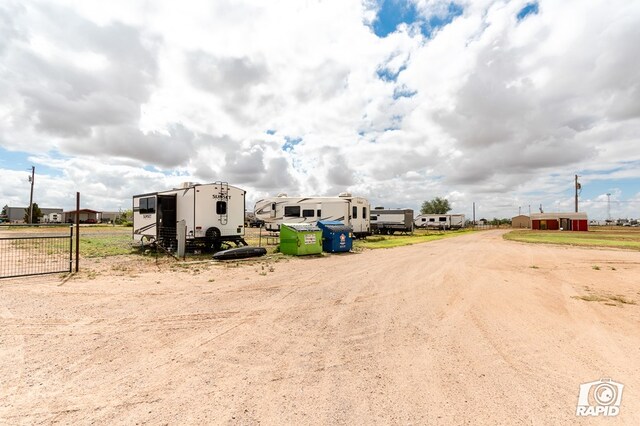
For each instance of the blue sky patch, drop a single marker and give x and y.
(385, 74)
(18, 160)
(290, 143)
(271, 132)
(530, 8)
(403, 92)
(393, 13)
(434, 23)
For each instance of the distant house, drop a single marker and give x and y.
(109, 217)
(84, 215)
(521, 221)
(560, 221)
(16, 214)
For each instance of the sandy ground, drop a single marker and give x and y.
(466, 330)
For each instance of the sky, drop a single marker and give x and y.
(497, 103)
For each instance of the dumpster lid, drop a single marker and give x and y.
(301, 227)
(334, 226)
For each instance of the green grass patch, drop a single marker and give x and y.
(389, 241)
(105, 245)
(615, 238)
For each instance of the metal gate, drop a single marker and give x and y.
(23, 256)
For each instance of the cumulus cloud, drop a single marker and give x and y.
(470, 100)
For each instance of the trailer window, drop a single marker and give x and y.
(364, 212)
(147, 205)
(374, 217)
(273, 206)
(355, 212)
(431, 219)
(318, 213)
(424, 219)
(307, 213)
(442, 219)
(292, 211)
(221, 207)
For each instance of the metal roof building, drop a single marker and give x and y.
(560, 221)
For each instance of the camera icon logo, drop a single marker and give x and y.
(602, 397)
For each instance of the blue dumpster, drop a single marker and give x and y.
(336, 236)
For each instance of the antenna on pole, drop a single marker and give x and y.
(31, 179)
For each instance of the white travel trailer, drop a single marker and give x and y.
(352, 211)
(439, 221)
(456, 221)
(213, 213)
(53, 218)
(389, 221)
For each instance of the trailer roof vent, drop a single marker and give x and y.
(185, 185)
(379, 208)
(344, 194)
(281, 194)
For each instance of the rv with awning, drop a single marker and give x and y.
(350, 210)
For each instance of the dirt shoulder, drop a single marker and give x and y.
(472, 329)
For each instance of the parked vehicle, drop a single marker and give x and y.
(390, 221)
(352, 211)
(213, 213)
(440, 221)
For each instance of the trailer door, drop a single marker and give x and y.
(167, 217)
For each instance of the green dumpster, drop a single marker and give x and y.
(300, 239)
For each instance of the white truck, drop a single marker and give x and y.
(439, 221)
(213, 214)
(390, 221)
(352, 211)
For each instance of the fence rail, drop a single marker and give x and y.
(22, 256)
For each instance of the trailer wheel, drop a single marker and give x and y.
(391, 231)
(213, 238)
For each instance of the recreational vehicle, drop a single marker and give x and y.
(350, 210)
(389, 221)
(213, 214)
(439, 221)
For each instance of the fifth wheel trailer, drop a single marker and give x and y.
(213, 214)
(352, 211)
(389, 221)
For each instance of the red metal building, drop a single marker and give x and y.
(560, 221)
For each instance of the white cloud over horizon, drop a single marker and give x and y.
(118, 98)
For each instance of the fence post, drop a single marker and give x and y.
(71, 249)
(181, 231)
(77, 231)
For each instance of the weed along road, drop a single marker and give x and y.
(466, 330)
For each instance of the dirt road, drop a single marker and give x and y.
(466, 330)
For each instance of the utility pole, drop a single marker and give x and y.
(608, 207)
(474, 213)
(31, 179)
(577, 188)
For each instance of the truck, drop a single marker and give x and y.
(389, 221)
(350, 210)
(213, 214)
